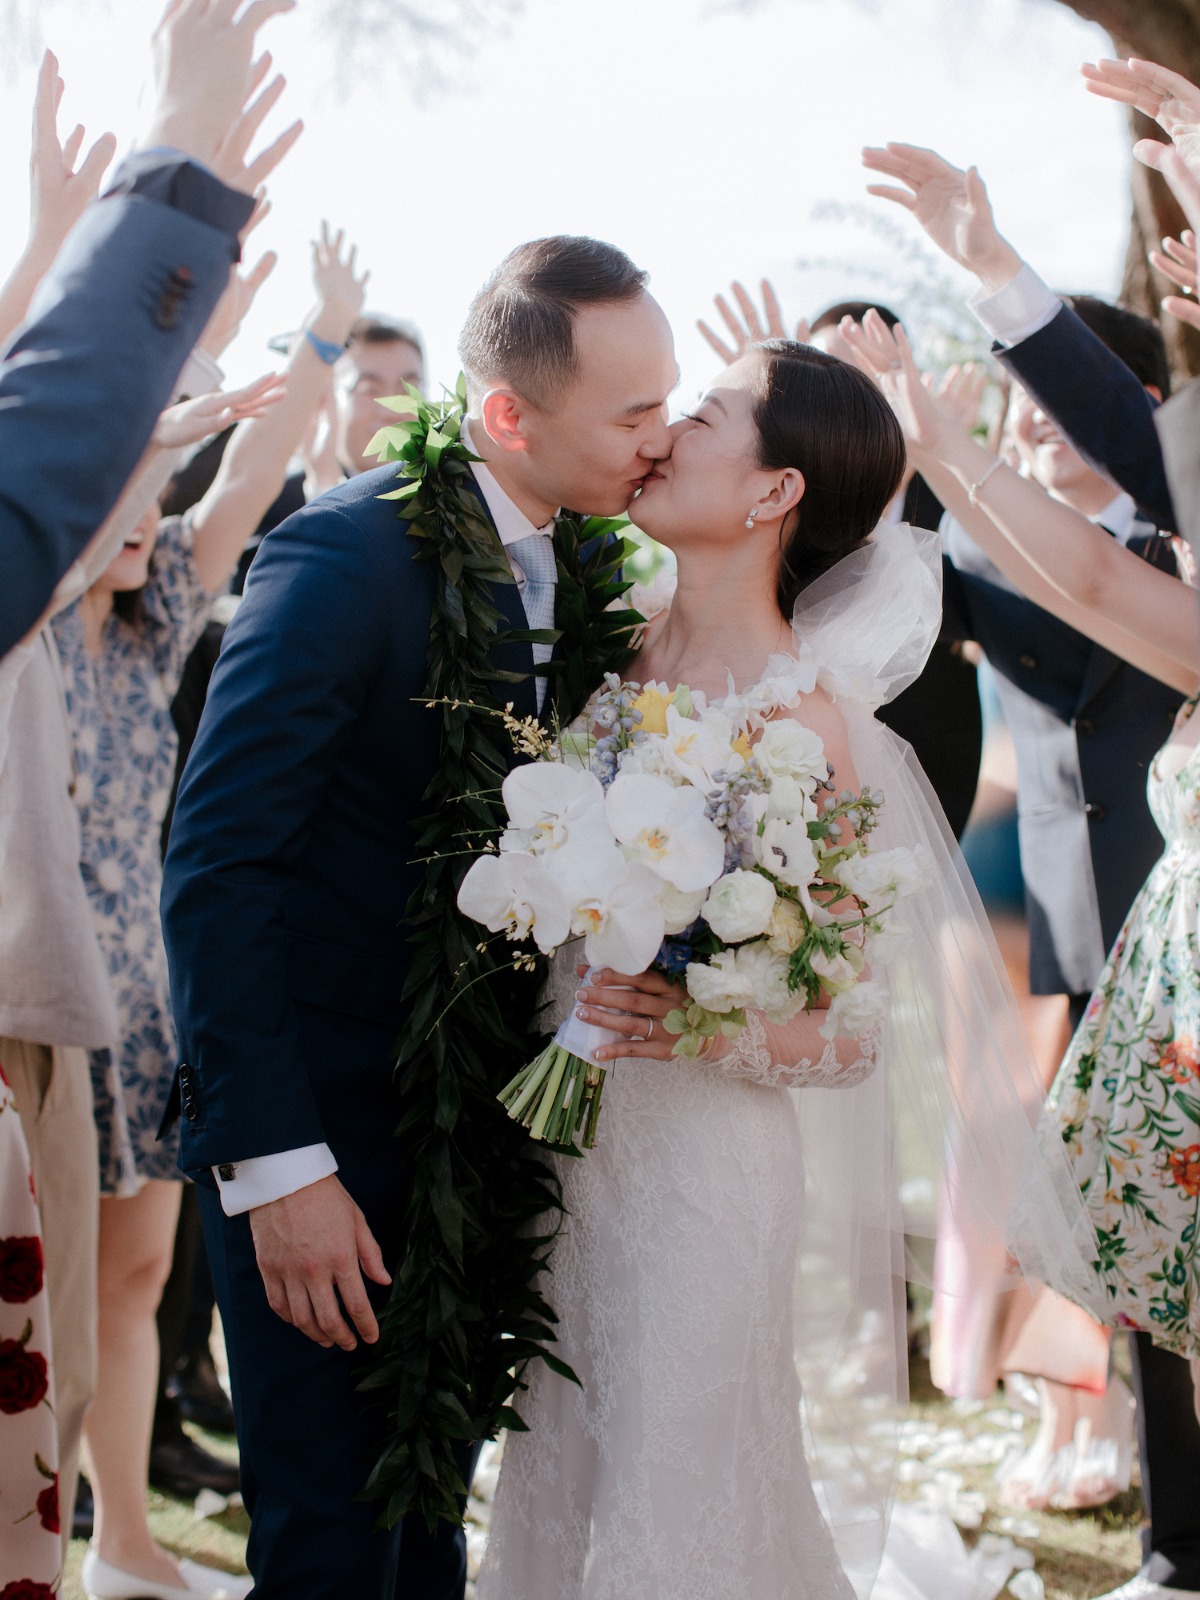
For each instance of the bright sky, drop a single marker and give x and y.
(698, 137)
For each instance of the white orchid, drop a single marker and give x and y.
(665, 828)
(739, 906)
(550, 805)
(700, 746)
(517, 895)
(616, 905)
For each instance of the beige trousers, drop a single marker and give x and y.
(53, 1091)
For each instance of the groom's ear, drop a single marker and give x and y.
(787, 493)
(503, 413)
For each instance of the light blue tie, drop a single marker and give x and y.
(535, 557)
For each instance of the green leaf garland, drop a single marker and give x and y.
(465, 1313)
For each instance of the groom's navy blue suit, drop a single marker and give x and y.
(289, 869)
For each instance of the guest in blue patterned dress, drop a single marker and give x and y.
(123, 647)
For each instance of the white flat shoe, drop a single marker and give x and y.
(104, 1582)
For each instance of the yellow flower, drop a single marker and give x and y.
(741, 746)
(652, 704)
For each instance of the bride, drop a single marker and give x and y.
(730, 1275)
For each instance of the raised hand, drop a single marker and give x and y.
(192, 421)
(204, 73)
(1177, 261)
(230, 161)
(951, 205)
(340, 289)
(750, 327)
(885, 355)
(961, 392)
(58, 191)
(1168, 97)
(234, 305)
(1185, 186)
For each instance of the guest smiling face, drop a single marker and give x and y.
(381, 359)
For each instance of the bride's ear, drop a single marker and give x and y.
(785, 494)
(503, 413)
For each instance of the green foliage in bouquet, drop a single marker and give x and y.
(465, 1313)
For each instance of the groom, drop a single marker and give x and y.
(292, 860)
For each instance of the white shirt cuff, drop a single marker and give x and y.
(246, 1184)
(1022, 308)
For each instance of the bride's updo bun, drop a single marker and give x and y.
(826, 419)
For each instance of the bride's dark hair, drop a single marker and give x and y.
(826, 419)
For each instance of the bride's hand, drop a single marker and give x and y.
(633, 1006)
(751, 327)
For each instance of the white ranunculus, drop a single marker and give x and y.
(788, 749)
(739, 906)
(616, 905)
(649, 755)
(786, 851)
(880, 877)
(786, 927)
(789, 801)
(855, 1011)
(836, 972)
(515, 894)
(554, 804)
(665, 828)
(768, 975)
(718, 984)
(680, 910)
(698, 747)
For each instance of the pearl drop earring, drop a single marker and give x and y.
(751, 516)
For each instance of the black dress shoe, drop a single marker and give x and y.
(181, 1467)
(84, 1511)
(197, 1392)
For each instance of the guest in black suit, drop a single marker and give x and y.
(1087, 395)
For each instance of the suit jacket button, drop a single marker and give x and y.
(191, 1111)
(167, 314)
(1094, 811)
(226, 1172)
(1027, 661)
(1084, 726)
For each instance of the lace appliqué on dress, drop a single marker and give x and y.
(750, 1055)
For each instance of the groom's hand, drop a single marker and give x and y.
(313, 1248)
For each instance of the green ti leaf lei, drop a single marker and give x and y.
(465, 1313)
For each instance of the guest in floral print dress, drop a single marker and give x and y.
(123, 647)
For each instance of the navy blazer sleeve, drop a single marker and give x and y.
(88, 374)
(299, 662)
(1099, 405)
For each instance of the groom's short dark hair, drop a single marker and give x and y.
(520, 330)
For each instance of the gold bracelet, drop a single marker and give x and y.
(973, 491)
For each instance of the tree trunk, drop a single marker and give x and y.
(1167, 31)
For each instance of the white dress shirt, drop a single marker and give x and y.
(1023, 307)
(261, 1179)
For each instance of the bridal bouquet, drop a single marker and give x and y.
(657, 832)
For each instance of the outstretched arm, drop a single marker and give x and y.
(748, 327)
(1050, 551)
(254, 466)
(1091, 394)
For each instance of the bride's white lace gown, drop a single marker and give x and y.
(677, 1470)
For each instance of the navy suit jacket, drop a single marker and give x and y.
(86, 377)
(290, 862)
(1086, 726)
(1099, 405)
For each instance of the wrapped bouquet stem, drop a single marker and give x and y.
(557, 1096)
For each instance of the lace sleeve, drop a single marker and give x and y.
(770, 1055)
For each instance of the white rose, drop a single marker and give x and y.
(855, 1011)
(786, 927)
(786, 851)
(680, 910)
(787, 749)
(718, 984)
(878, 878)
(768, 975)
(836, 972)
(739, 906)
